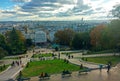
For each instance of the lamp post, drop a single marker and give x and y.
(33, 36)
(83, 43)
(34, 41)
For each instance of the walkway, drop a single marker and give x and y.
(94, 75)
(11, 72)
(79, 62)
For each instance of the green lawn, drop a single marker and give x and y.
(105, 59)
(49, 66)
(42, 55)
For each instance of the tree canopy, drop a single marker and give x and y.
(16, 41)
(3, 46)
(81, 40)
(116, 11)
(64, 37)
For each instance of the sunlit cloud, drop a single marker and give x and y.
(56, 9)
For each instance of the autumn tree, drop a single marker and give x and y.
(64, 37)
(95, 36)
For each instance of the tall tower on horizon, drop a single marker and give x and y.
(82, 19)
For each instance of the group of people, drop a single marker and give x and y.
(70, 56)
(108, 66)
(42, 75)
(14, 63)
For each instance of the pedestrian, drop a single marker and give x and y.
(42, 75)
(20, 74)
(81, 66)
(110, 63)
(20, 62)
(108, 67)
(13, 63)
(68, 56)
(72, 56)
(46, 75)
(59, 55)
(100, 67)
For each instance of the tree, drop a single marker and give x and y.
(114, 33)
(2, 41)
(107, 37)
(116, 11)
(16, 41)
(81, 41)
(2, 53)
(118, 48)
(3, 47)
(56, 48)
(28, 42)
(95, 36)
(64, 37)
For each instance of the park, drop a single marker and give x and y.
(60, 40)
(54, 65)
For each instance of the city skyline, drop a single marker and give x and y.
(22, 10)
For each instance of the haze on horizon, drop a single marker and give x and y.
(21, 10)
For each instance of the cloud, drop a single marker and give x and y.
(48, 8)
(56, 9)
(8, 12)
(20, 1)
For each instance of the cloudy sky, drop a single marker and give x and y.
(19, 10)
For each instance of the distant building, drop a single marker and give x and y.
(51, 36)
(40, 37)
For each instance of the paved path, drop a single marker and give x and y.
(90, 65)
(10, 73)
(13, 71)
(79, 62)
(95, 75)
(94, 55)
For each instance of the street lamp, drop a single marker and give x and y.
(33, 37)
(83, 43)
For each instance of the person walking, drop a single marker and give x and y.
(108, 67)
(100, 67)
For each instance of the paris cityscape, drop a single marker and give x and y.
(59, 40)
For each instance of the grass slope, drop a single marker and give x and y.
(49, 66)
(105, 59)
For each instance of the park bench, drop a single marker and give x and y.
(23, 79)
(84, 71)
(66, 73)
(44, 77)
